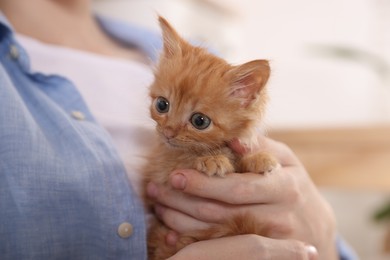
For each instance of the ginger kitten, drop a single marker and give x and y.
(200, 103)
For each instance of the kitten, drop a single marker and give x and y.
(200, 103)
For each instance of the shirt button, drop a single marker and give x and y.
(125, 230)
(14, 52)
(78, 115)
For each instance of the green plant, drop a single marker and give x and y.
(383, 214)
(375, 62)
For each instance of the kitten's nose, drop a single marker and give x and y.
(169, 132)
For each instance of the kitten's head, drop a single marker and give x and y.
(201, 102)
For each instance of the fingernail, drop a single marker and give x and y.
(171, 238)
(151, 190)
(238, 146)
(179, 181)
(312, 252)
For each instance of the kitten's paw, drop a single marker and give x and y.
(259, 163)
(217, 165)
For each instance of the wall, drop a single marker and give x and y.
(324, 54)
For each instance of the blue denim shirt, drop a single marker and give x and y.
(63, 189)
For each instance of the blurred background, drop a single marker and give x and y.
(329, 89)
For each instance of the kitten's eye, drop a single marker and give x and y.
(200, 121)
(162, 105)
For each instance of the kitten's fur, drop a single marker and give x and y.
(194, 81)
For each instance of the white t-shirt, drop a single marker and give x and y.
(116, 91)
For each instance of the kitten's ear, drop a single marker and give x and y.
(172, 40)
(248, 80)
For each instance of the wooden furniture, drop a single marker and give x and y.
(356, 158)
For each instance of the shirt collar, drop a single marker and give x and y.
(4, 24)
(147, 41)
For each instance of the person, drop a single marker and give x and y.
(73, 89)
